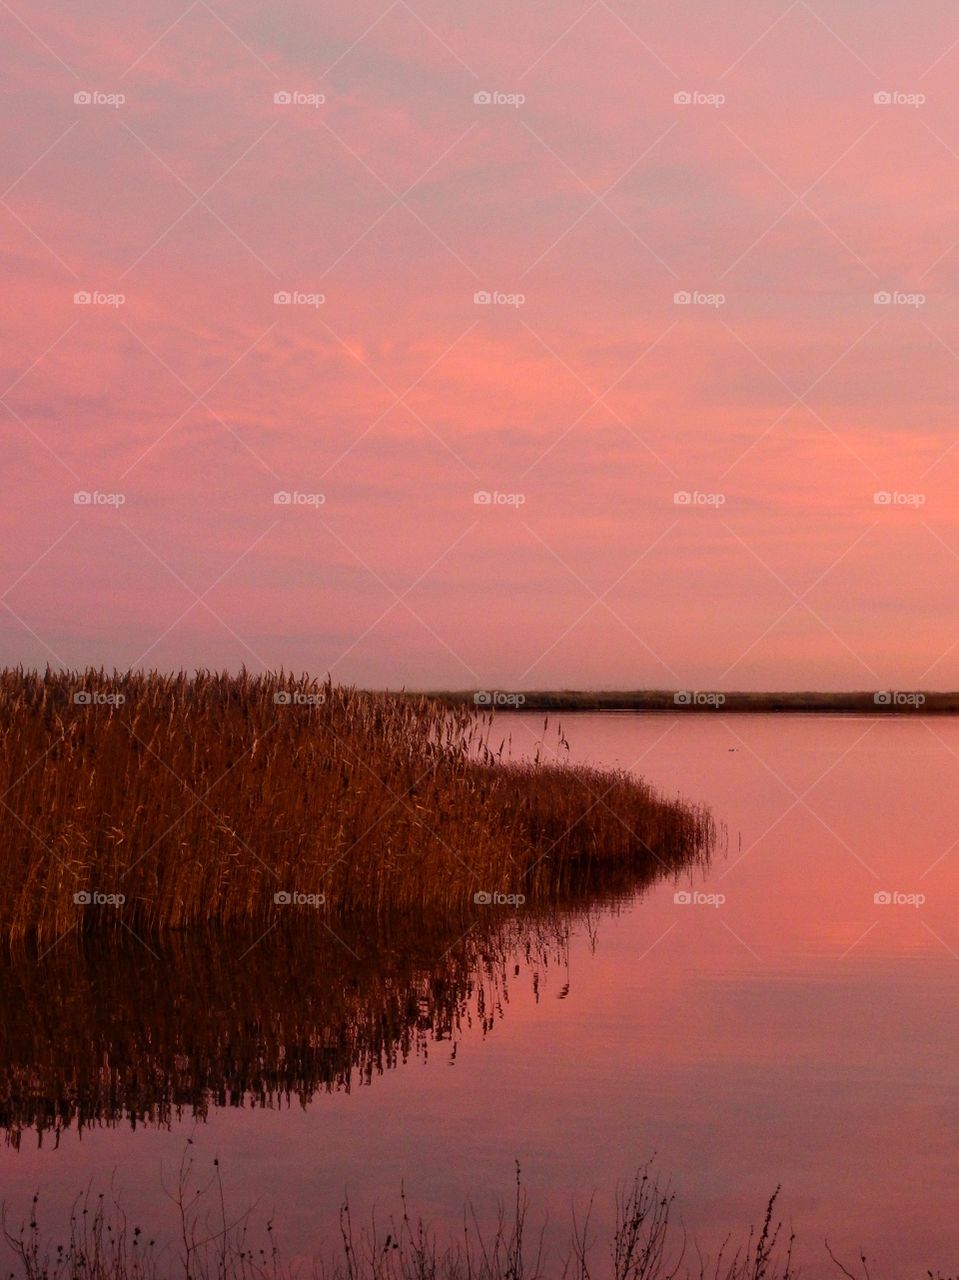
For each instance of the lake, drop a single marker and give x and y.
(787, 1017)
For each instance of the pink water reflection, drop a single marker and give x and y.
(798, 1033)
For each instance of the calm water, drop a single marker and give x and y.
(798, 1033)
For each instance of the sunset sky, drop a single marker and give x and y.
(784, 398)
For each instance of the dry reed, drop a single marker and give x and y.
(199, 799)
(209, 1242)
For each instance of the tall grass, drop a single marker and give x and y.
(212, 1242)
(207, 1239)
(198, 799)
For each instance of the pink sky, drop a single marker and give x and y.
(598, 198)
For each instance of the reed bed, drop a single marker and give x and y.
(155, 802)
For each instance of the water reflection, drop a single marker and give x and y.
(124, 1033)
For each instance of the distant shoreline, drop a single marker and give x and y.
(894, 702)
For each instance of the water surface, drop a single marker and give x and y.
(786, 1027)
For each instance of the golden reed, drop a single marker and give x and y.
(155, 802)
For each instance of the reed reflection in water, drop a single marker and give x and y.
(104, 1033)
